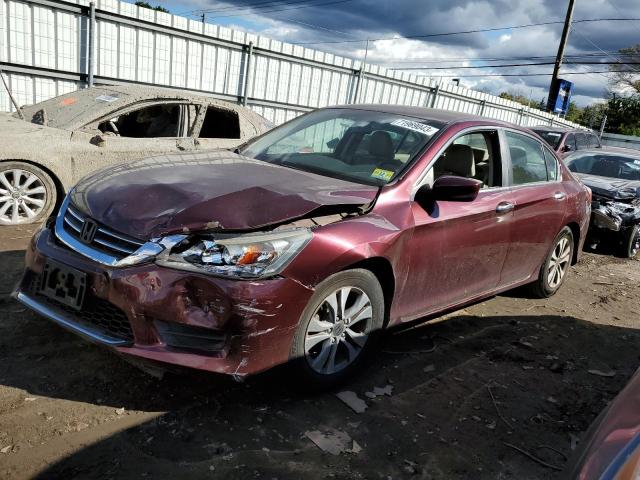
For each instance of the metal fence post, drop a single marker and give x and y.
(434, 96)
(247, 73)
(356, 92)
(482, 105)
(520, 115)
(92, 43)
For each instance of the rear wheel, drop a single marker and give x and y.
(556, 265)
(338, 328)
(27, 194)
(630, 245)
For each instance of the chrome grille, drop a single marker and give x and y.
(105, 240)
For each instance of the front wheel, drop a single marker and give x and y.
(556, 265)
(338, 328)
(27, 194)
(630, 244)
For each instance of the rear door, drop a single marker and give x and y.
(539, 205)
(457, 251)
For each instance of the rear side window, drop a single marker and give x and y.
(593, 141)
(527, 159)
(220, 123)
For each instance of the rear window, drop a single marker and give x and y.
(551, 137)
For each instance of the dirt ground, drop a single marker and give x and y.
(508, 371)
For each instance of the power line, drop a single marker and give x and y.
(496, 59)
(335, 2)
(257, 5)
(464, 32)
(509, 65)
(511, 74)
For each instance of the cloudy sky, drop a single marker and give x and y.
(351, 21)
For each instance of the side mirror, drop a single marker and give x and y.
(98, 141)
(567, 148)
(448, 188)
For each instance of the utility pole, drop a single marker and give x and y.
(556, 69)
(204, 18)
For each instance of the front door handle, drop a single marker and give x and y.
(504, 207)
(559, 195)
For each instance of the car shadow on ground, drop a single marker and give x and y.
(461, 390)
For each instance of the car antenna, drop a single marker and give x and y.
(13, 100)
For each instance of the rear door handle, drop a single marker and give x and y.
(559, 195)
(504, 207)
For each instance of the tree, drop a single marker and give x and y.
(519, 98)
(623, 114)
(626, 75)
(574, 113)
(147, 5)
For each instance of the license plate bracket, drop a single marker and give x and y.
(63, 284)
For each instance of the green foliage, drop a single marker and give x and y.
(521, 99)
(147, 5)
(623, 115)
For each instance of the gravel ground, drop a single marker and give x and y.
(508, 372)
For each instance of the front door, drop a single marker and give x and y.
(458, 249)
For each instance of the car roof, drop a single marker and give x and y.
(547, 128)
(424, 113)
(142, 92)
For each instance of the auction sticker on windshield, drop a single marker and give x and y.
(415, 126)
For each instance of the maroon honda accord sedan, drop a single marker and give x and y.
(305, 243)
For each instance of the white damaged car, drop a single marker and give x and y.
(49, 146)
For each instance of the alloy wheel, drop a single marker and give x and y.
(559, 262)
(22, 196)
(338, 330)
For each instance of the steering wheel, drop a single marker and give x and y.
(114, 127)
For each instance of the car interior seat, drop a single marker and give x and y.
(458, 161)
(519, 163)
(481, 162)
(382, 151)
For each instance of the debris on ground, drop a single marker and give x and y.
(380, 391)
(334, 442)
(600, 373)
(429, 368)
(352, 400)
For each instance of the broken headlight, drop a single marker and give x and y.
(244, 256)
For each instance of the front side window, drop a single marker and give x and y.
(357, 145)
(473, 155)
(151, 121)
(528, 164)
(593, 141)
(582, 141)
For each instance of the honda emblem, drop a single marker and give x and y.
(88, 231)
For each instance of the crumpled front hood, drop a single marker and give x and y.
(213, 190)
(614, 188)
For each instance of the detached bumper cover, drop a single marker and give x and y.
(191, 320)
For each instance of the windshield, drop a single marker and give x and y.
(611, 166)
(356, 145)
(551, 137)
(75, 108)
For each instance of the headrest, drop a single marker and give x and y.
(381, 146)
(459, 161)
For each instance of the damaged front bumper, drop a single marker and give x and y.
(163, 315)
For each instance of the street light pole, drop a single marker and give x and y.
(556, 69)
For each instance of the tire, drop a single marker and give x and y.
(630, 243)
(322, 335)
(28, 194)
(546, 285)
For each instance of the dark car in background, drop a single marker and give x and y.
(613, 175)
(611, 447)
(564, 140)
(308, 241)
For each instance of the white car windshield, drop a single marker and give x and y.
(357, 145)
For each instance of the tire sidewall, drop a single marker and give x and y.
(359, 278)
(51, 192)
(628, 242)
(544, 281)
